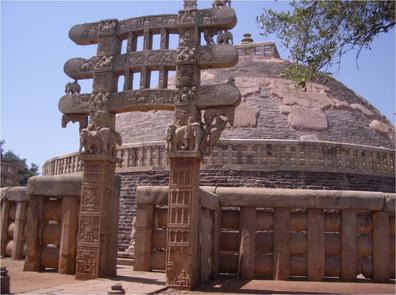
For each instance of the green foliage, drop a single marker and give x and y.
(318, 33)
(25, 172)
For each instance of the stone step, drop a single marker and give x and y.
(124, 261)
(122, 254)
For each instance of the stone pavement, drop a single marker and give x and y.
(136, 282)
(133, 282)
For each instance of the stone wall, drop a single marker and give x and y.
(235, 178)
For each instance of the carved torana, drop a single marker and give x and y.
(201, 114)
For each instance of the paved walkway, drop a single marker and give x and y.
(133, 282)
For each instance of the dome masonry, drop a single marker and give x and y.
(273, 107)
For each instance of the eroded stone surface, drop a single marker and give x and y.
(301, 118)
(245, 116)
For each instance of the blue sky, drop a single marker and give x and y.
(35, 46)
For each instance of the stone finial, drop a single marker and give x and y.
(247, 38)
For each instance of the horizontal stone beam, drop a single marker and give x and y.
(328, 199)
(269, 198)
(16, 193)
(55, 186)
(209, 200)
(152, 195)
(208, 96)
(217, 56)
(88, 33)
(277, 198)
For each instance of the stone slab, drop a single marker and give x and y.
(16, 193)
(54, 186)
(329, 199)
(153, 195)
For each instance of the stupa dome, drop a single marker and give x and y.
(273, 107)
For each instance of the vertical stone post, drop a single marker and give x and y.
(19, 239)
(35, 217)
(247, 246)
(316, 245)
(97, 209)
(97, 243)
(183, 209)
(349, 253)
(281, 251)
(143, 233)
(69, 229)
(381, 271)
(5, 211)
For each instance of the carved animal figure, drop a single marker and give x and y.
(72, 88)
(221, 3)
(208, 36)
(190, 4)
(184, 138)
(225, 37)
(169, 134)
(90, 141)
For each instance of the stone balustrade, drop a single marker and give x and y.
(14, 203)
(52, 223)
(280, 233)
(251, 155)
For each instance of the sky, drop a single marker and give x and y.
(35, 46)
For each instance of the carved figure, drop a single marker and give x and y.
(169, 134)
(90, 142)
(186, 54)
(103, 141)
(221, 3)
(104, 63)
(89, 64)
(190, 4)
(183, 138)
(225, 37)
(208, 36)
(72, 88)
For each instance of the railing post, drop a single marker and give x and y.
(349, 256)
(247, 246)
(381, 246)
(69, 229)
(316, 245)
(5, 209)
(19, 237)
(281, 251)
(144, 231)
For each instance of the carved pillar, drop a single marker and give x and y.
(183, 209)
(164, 39)
(97, 244)
(97, 238)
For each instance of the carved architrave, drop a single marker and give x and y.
(107, 27)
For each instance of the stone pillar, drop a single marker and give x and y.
(96, 248)
(164, 39)
(183, 209)
(247, 246)
(206, 242)
(5, 211)
(216, 244)
(69, 230)
(349, 254)
(381, 246)
(281, 251)
(316, 245)
(143, 233)
(35, 217)
(19, 237)
(97, 237)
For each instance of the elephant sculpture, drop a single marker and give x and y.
(72, 88)
(225, 37)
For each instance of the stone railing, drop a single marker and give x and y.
(280, 233)
(251, 155)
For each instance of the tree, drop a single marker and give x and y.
(319, 33)
(25, 172)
